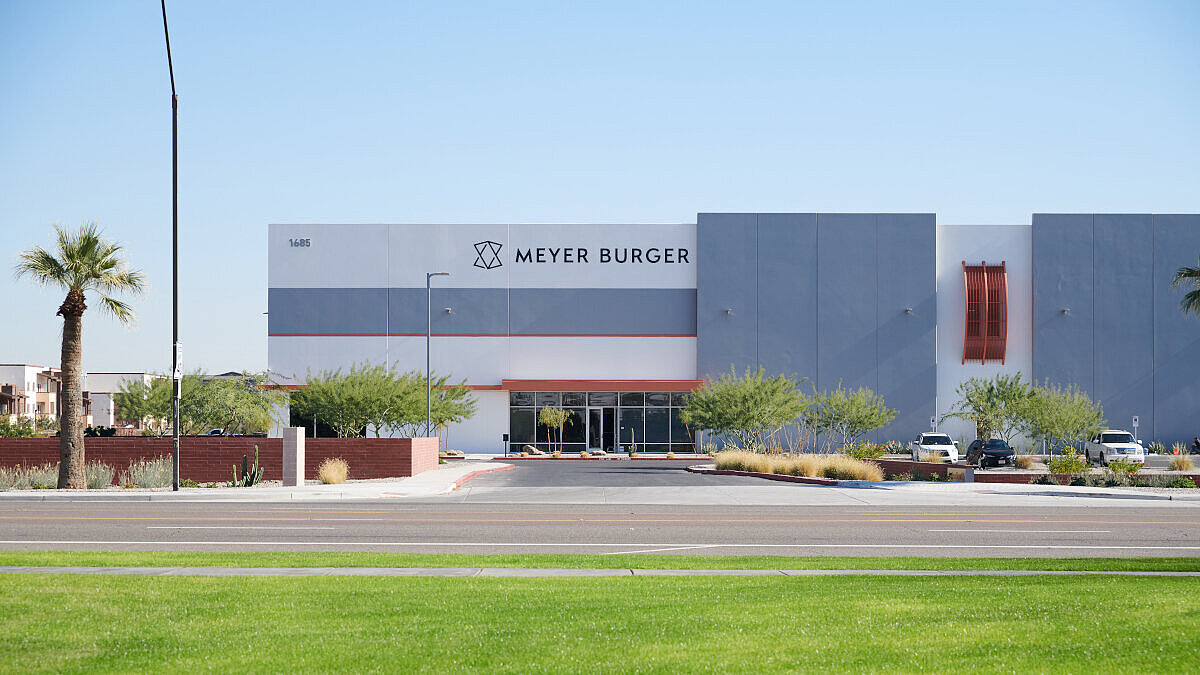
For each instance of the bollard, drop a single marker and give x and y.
(293, 456)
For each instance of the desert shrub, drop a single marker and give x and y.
(149, 473)
(866, 450)
(670, 455)
(584, 454)
(1078, 481)
(9, 475)
(1024, 462)
(333, 470)
(43, 477)
(99, 475)
(188, 482)
(1181, 482)
(1122, 467)
(1177, 449)
(1157, 448)
(901, 476)
(1043, 480)
(1070, 463)
(1182, 463)
(556, 454)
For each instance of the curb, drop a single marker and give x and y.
(459, 483)
(768, 476)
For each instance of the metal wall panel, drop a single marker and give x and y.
(1123, 329)
(907, 342)
(1063, 267)
(473, 311)
(1176, 335)
(327, 311)
(603, 311)
(726, 292)
(847, 301)
(787, 293)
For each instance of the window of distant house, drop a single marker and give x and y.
(985, 335)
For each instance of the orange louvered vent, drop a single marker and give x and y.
(986, 333)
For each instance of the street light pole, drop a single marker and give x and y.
(428, 333)
(176, 357)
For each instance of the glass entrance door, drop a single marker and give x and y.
(601, 431)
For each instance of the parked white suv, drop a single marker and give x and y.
(1113, 444)
(934, 442)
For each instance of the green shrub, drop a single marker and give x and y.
(23, 427)
(1181, 482)
(1070, 463)
(1043, 480)
(1078, 481)
(188, 482)
(865, 450)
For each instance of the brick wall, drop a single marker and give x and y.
(212, 458)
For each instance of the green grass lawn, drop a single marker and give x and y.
(67, 623)
(288, 559)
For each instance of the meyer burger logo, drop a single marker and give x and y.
(487, 255)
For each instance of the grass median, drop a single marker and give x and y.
(642, 561)
(76, 623)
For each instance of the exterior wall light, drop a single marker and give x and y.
(908, 310)
(447, 310)
(1066, 311)
(729, 310)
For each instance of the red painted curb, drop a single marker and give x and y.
(768, 476)
(459, 483)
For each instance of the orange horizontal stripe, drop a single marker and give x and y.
(601, 385)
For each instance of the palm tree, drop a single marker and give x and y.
(84, 261)
(1189, 277)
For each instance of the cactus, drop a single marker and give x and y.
(251, 475)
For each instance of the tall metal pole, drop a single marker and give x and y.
(176, 360)
(428, 333)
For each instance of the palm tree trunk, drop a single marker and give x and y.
(70, 469)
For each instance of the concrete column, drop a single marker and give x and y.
(293, 456)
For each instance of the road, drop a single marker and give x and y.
(515, 516)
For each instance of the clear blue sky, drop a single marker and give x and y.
(556, 111)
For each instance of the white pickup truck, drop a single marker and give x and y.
(934, 443)
(1113, 444)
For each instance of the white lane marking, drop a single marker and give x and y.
(81, 542)
(233, 527)
(660, 550)
(1032, 531)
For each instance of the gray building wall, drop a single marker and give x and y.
(1123, 340)
(823, 296)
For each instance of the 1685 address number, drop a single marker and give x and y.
(297, 243)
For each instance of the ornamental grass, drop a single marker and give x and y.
(1182, 463)
(333, 471)
(837, 467)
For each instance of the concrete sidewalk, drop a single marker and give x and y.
(440, 481)
(529, 572)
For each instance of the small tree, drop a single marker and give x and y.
(748, 407)
(146, 405)
(848, 414)
(999, 406)
(554, 419)
(1065, 416)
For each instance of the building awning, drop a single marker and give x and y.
(599, 385)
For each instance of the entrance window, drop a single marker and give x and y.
(602, 420)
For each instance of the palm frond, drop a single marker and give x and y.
(121, 311)
(1184, 275)
(84, 260)
(40, 264)
(1188, 277)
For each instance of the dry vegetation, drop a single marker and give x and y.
(1182, 463)
(1024, 462)
(333, 470)
(838, 467)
